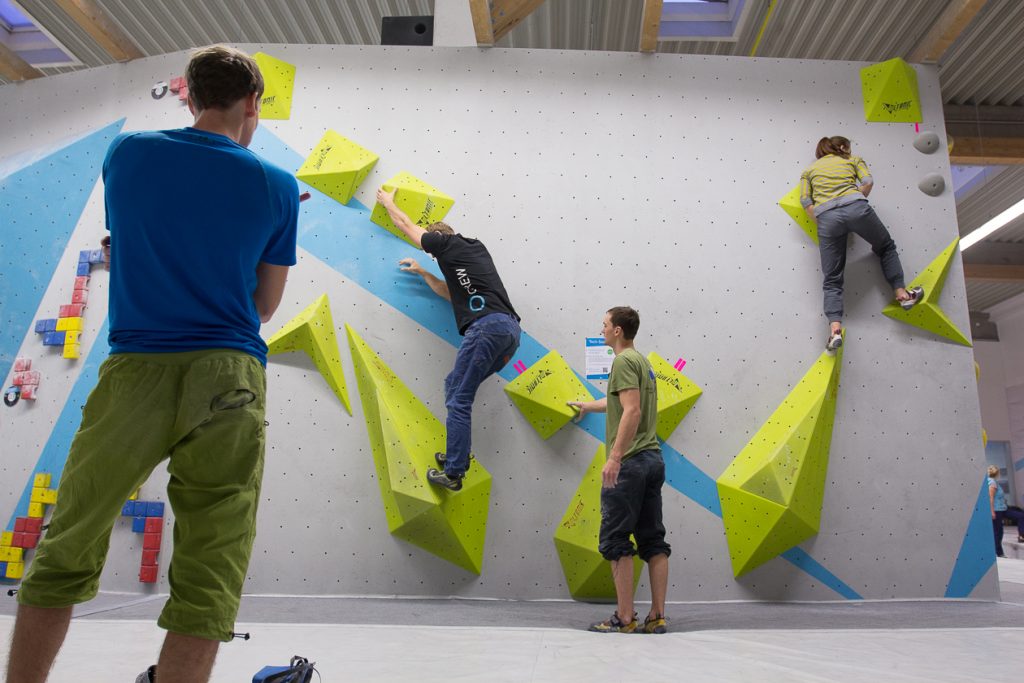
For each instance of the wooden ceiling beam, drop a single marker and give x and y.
(984, 113)
(650, 23)
(995, 254)
(972, 150)
(482, 25)
(985, 134)
(14, 68)
(507, 14)
(983, 272)
(92, 19)
(944, 32)
(493, 19)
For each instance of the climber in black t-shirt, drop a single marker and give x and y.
(485, 318)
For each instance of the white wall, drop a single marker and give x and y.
(596, 179)
(992, 388)
(1009, 318)
(1002, 380)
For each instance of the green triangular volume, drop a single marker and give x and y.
(312, 331)
(337, 167)
(677, 394)
(422, 203)
(542, 391)
(890, 92)
(790, 203)
(927, 314)
(587, 574)
(278, 86)
(773, 491)
(404, 435)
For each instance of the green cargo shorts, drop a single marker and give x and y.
(203, 411)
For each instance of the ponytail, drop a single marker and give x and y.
(837, 145)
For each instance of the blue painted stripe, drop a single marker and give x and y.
(801, 559)
(21, 160)
(42, 204)
(977, 551)
(344, 238)
(690, 480)
(55, 452)
(1019, 465)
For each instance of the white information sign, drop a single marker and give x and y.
(599, 358)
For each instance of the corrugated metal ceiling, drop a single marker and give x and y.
(982, 67)
(984, 295)
(858, 30)
(608, 25)
(1013, 233)
(173, 25)
(864, 30)
(1004, 189)
(1000, 192)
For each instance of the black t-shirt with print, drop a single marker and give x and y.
(473, 282)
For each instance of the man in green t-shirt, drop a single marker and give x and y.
(632, 477)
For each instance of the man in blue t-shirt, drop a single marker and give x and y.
(485, 317)
(202, 232)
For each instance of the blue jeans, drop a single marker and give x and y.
(997, 526)
(488, 345)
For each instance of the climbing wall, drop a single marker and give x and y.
(596, 180)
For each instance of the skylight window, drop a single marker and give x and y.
(20, 35)
(701, 19)
(12, 19)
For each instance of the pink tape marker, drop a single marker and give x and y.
(917, 127)
(680, 364)
(520, 367)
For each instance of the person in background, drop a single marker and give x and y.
(833, 192)
(1000, 511)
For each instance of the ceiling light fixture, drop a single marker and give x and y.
(1011, 214)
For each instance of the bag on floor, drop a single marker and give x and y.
(299, 671)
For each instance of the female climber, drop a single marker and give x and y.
(833, 192)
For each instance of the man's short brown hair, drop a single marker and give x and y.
(218, 76)
(626, 318)
(440, 227)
